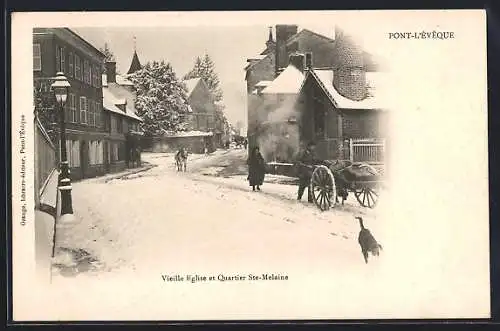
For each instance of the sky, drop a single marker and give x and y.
(229, 48)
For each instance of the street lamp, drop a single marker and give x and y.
(60, 88)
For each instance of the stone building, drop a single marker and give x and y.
(62, 50)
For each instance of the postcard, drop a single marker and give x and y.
(266, 165)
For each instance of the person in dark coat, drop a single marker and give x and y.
(256, 169)
(306, 161)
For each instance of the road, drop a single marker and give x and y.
(163, 222)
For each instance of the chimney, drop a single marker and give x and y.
(309, 61)
(283, 33)
(349, 75)
(298, 61)
(111, 72)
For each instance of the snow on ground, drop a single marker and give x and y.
(167, 222)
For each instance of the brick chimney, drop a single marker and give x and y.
(298, 60)
(283, 33)
(349, 75)
(309, 61)
(111, 72)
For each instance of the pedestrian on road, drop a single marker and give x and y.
(256, 169)
(306, 163)
(245, 143)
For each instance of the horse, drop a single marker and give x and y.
(181, 160)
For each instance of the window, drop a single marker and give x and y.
(73, 108)
(70, 65)
(114, 124)
(95, 73)
(119, 125)
(114, 152)
(83, 110)
(98, 118)
(78, 68)
(63, 59)
(60, 59)
(90, 75)
(319, 122)
(69, 109)
(125, 125)
(73, 151)
(86, 72)
(121, 151)
(37, 58)
(96, 152)
(90, 112)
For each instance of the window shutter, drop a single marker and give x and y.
(63, 60)
(70, 64)
(58, 59)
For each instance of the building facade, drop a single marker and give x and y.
(122, 148)
(332, 102)
(61, 50)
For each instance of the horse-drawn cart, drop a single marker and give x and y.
(330, 180)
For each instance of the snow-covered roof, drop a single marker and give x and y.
(110, 102)
(191, 84)
(376, 82)
(263, 83)
(188, 134)
(255, 60)
(120, 80)
(288, 82)
(257, 57)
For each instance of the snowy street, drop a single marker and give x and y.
(161, 222)
(133, 231)
(158, 216)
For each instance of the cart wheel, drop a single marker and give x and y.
(367, 197)
(323, 188)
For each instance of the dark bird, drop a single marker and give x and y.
(367, 241)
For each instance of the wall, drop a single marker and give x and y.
(203, 108)
(320, 47)
(262, 70)
(172, 144)
(365, 123)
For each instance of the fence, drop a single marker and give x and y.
(367, 150)
(45, 157)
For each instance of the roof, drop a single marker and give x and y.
(120, 80)
(188, 134)
(263, 83)
(375, 80)
(135, 65)
(288, 82)
(191, 85)
(303, 31)
(111, 102)
(253, 61)
(257, 57)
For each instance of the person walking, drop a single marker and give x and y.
(306, 163)
(256, 169)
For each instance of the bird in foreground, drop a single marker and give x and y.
(367, 241)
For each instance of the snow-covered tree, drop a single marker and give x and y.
(205, 69)
(161, 99)
(109, 56)
(107, 52)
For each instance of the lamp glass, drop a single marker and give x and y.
(61, 94)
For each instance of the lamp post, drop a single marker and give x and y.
(60, 88)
